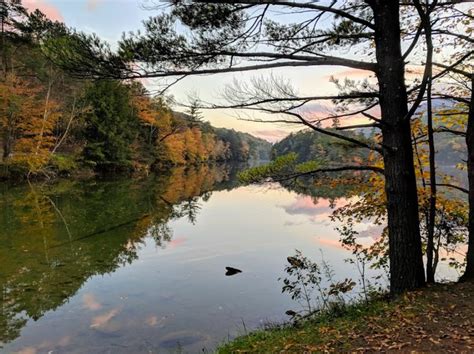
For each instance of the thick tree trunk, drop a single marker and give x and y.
(406, 262)
(469, 273)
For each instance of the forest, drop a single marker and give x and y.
(53, 124)
(385, 156)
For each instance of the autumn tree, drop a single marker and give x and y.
(451, 80)
(35, 92)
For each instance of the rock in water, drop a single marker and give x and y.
(232, 271)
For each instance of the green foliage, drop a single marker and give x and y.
(63, 164)
(282, 168)
(111, 126)
(311, 145)
(243, 146)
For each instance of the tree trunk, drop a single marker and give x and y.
(430, 242)
(3, 14)
(406, 262)
(8, 139)
(469, 273)
(6, 148)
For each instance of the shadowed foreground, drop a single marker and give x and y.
(438, 318)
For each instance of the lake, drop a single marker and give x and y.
(139, 265)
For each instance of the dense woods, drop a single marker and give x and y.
(310, 145)
(54, 124)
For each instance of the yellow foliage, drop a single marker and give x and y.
(27, 118)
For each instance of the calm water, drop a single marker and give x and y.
(139, 266)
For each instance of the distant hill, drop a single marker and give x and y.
(241, 146)
(311, 145)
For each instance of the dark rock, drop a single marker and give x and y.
(232, 271)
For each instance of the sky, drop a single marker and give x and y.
(110, 18)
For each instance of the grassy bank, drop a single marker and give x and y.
(438, 318)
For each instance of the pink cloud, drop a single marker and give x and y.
(317, 211)
(272, 135)
(49, 10)
(176, 242)
(308, 206)
(330, 242)
(102, 320)
(92, 4)
(351, 73)
(374, 232)
(154, 321)
(90, 302)
(28, 350)
(316, 112)
(411, 71)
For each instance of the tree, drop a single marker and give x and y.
(111, 126)
(27, 121)
(12, 15)
(227, 32)
(456, 83)
(194, 112)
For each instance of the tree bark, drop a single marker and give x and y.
(469, 272)
(405, 253)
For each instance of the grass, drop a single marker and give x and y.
(438, 318)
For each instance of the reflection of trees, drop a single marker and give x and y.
(53, 238)
(333, 187)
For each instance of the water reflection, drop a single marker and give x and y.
(53, 238)
(128, 265)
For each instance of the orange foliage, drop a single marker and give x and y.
(27, 120)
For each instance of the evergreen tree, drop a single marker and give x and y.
(111, 126)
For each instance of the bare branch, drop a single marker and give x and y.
(427, 75)
(305, 99)
(464, 190)
(454, 70)
(358, 126)
(316, 61)
(311, 6)
(452, 131)
(332, 133)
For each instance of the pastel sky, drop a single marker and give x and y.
(110, 18)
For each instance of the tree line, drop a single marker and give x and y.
(52, 123)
